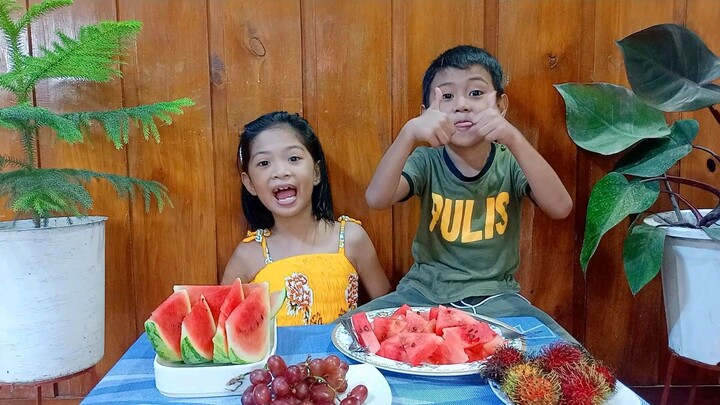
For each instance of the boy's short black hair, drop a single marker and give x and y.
(463, 57)
(257, 215)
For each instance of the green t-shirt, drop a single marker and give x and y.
(466, 244)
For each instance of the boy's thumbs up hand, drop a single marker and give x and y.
(432, 126)
(490, 123)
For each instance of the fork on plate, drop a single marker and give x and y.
(355, 345)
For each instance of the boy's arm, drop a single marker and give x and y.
(546, 189)
(387, 185)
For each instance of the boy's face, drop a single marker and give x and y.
(465, 93)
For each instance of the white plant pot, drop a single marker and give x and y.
(52, 303)
(691, 290)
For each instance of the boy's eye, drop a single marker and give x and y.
(447, 96)
(476, 93)
(263, 163)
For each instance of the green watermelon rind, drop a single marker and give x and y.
(277, 298)
(190, 355)
(220, 356)
(158, 343)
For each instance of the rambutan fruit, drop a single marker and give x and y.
(541, 389)
(581, 384)
(514, 375)
(561, 354)
(607, 373)
(503, 358)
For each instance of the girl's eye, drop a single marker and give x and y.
(476, 93)
(294, 158)
(447, 96)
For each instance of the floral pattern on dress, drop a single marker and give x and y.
(316, 319)
(299, 295)
(351, 292)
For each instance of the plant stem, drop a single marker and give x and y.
(715, 113)
(695, 211)
(689, 182)
(709, 151)
(673, 200)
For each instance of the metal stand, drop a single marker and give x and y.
(38, 384)
(668, 376)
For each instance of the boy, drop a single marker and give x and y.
(471, 181)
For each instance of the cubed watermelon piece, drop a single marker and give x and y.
(385, 327)
(364, 332)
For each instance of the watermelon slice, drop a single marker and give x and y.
(234, 297)
(277, 298)
(214, 296)
(364, 332)
(386, 327)
(165, 324)
(419, 346)
(198, 329)
(248, 327)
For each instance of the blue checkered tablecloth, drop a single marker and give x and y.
(132, 381)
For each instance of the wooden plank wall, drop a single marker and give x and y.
(353, 69)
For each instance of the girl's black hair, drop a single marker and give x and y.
(463, 57)
(257, 215)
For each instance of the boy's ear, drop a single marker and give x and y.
(503, 103)
(316, 173)
(248, 183)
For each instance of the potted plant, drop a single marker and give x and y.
(669, 69)
(52, 306)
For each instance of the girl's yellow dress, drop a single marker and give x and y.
(320, 286)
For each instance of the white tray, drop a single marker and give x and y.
(205, 380)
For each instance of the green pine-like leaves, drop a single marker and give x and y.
(48, 192)
(93, 55)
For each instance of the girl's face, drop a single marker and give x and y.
(281, 172)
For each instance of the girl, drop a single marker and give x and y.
(294, 242)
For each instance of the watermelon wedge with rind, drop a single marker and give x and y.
(234, 297)
(164, 326)
(198, 330)
(248, 327)
(214, 296)
(277, 298)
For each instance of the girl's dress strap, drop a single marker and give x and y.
(343, 220)
(260, 236)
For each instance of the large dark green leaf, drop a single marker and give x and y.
(671, 68)
(642, 255)
(653, 157)
(606, 118)
(612, 199)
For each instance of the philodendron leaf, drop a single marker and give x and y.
(606, 118)
(671, 68)
(713, 232)
(642, 255)
(653, 157)
(612, 199)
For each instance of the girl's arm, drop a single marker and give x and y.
(241, 264)
(360, 250)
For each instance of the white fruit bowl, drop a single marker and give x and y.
(205, 380)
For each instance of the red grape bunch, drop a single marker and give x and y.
(314, 381)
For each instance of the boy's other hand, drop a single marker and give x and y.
(491, 124)
(432, 126)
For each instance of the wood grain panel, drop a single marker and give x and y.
(96, 154)
(256, 62)
(538, 112)
(629, 336)
(170, 61)
(417, 41)
(350, 108)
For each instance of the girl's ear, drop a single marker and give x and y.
(503, 103)
(248, 183)
(316, 173)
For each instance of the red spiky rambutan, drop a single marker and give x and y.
(581, 384)
(606, 373)
(537, 390)
(503, 358)
(561, 354)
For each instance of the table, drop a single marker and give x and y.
(131, 380)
